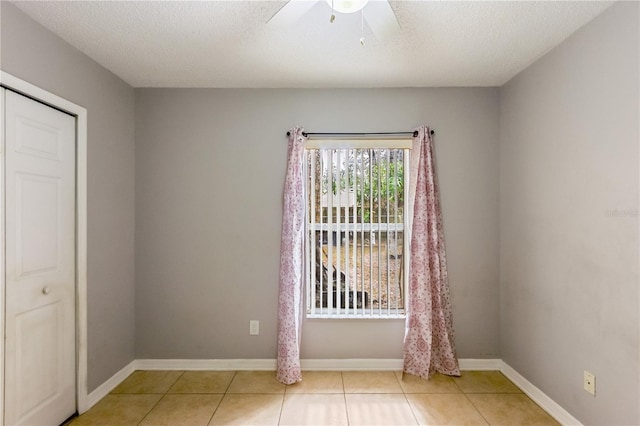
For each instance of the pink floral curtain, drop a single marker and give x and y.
(291, 264)
(428, 343)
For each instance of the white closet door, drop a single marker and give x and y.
(40, 348)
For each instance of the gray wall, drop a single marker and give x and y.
(569, 220)
(209, 178)
(34, 54)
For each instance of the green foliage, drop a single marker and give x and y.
(377, 176)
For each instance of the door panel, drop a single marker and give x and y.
(40, 354)
(40, 327)
(37, 139)
(37, 224)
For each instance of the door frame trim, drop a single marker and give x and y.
(80, 113)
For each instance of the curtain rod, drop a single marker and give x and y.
(414, 134)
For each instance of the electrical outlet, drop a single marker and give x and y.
(254, 327)
(590, 383)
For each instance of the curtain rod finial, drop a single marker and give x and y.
(303, 134)
(431, 132)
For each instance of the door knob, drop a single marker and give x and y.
(46, 290)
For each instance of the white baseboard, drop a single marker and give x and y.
(206, 364)
(467, 364)
(540, 398)
(103, 390)
(549, 405)
(351, 364)
(363, 364)
(388, 364)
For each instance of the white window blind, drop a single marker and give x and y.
(356, 237)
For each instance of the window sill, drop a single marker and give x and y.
(357, 316)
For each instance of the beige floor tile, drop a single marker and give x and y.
(510, 409)
(203, 382)
(180, 409)
(255, 382)
(314, 409)
(440, 409)
(379, 409)
(148, 382)
(370, 382)
(318, 382)
(438, 383)
(248, 409)
(118, 410)
(485, 382)
(331, 398)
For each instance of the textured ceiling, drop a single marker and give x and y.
(229, 44)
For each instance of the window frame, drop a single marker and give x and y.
(310, 239)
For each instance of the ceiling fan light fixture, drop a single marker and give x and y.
(347, 6)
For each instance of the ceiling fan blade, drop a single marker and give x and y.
(291, 12)
(381, 19)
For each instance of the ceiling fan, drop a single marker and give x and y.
(378, 14)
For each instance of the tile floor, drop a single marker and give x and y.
(323, 398)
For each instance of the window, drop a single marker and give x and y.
(357, 239)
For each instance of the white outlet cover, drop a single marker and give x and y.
(590, 383)
(254, 328)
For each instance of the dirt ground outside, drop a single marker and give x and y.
(378, 270)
